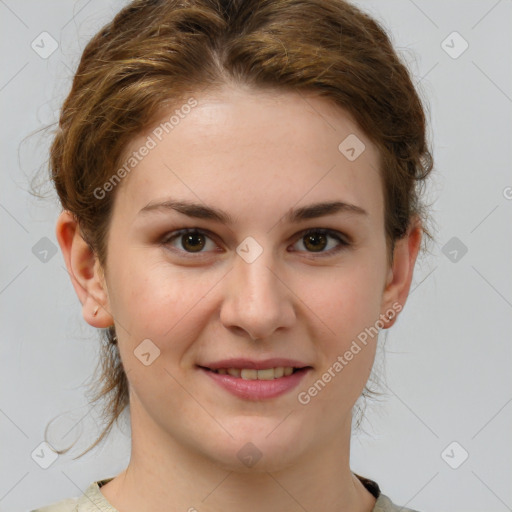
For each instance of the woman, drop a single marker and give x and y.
(241, 217)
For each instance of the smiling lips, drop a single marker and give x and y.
(251, 374)
(256, 380)
(247, 369)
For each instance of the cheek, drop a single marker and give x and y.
(346, 305)
(349, 306)
(155, 300)
(345, 300)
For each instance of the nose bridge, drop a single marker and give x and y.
(257, 301)
(255, 280)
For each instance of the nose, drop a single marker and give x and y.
(257, 300)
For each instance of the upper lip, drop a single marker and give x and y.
(242, 363)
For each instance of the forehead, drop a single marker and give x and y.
(235, 148)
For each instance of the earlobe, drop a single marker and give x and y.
(400, 274)
(85, 272)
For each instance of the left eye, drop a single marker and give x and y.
(316, 240)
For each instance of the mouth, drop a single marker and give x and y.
(256, 380)
(256, 384)
(261, 374)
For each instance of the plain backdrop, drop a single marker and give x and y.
(440, 438)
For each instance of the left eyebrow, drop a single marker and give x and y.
(201, 211)
(321, 209)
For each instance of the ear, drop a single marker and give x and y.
(85, 271)
(400, 273)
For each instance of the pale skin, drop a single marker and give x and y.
(256, 156)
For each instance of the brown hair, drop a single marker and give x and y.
(155, 53)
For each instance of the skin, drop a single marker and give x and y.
(255, 155)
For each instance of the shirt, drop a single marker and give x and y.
(93, 500)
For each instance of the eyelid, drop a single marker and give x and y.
(326, 231)
(184, 231)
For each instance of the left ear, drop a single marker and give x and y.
(401, 271)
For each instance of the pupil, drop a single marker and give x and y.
(316, 239)
(189, 240)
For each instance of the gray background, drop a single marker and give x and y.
(447, 360)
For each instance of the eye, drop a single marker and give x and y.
(189, 241)
(317, 240)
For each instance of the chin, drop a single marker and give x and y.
(259, 450)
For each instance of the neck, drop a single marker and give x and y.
(164, 475)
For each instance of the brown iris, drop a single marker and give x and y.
(193, 242)
(311, 241)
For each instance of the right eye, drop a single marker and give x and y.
(188, 241)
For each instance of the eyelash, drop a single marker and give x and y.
(169, 237)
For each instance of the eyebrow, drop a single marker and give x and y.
(201, 211)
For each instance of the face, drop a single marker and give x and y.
(268, 278)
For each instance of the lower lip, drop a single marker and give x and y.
(257, 389)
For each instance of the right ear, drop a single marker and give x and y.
(85, 271)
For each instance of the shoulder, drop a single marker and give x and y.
(384, 504)
(92, 500)
(67, 505)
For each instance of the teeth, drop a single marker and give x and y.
(251, 374)
(278, 372)
(267, 374)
